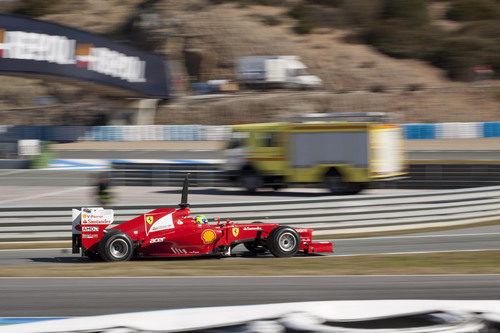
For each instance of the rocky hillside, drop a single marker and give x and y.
(206, 36)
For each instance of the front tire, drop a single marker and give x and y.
(283, 242)
(116, 247)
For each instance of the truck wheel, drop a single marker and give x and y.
(116, 246)
(334, 182)
(278, 187)
(355, 188)
(255, 248)
(283, 241)
(250, 180)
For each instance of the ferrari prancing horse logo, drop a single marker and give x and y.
(149, 219)
(236, 232)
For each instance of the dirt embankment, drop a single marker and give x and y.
(221, 33)
(426, 106)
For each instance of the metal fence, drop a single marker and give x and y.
(328, 215)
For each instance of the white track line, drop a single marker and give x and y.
(38, 249)
(410, 252)
(45, 194)
(11, 172)
(417, 236)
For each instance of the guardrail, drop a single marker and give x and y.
(328, 215)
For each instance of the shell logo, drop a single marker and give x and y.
(208, 236)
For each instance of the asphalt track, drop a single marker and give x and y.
(78, 196)
(480, 238)
(142, 154)
(93, 296)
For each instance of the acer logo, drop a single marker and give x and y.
(157, 240)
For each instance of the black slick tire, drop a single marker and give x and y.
(283, 241)
(116, 246)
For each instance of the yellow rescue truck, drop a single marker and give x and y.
(344, 156)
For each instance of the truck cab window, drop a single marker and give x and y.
(237, 140)
(269, 139)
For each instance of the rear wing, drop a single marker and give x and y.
(88, 226)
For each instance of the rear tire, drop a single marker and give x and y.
(283, 241)
(116, 246)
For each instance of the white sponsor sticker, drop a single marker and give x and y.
(97, 216)
(251, 228)
(157, 240)
(166, 222)
(90, 229)
(179, 251)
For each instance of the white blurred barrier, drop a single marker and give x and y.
(459, 130)
(157, 133)
(28, 147)
(457, 316)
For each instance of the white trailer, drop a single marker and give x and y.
(275, 71)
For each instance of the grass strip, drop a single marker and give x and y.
(474, 262)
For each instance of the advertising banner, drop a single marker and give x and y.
(33, 47)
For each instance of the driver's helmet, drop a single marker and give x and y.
(202, 219)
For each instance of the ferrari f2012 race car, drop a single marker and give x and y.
(172, 232)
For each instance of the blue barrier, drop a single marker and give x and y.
(63, 133)
(188, 132)
(419, 131)
(491, 129)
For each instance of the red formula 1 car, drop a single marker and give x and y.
(171, 232)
